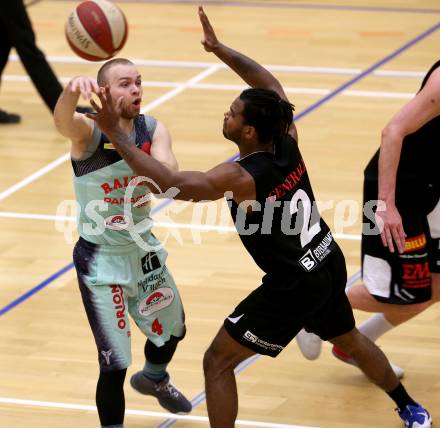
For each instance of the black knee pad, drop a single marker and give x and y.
(162, 354)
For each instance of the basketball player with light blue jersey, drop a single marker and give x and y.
(119, 262)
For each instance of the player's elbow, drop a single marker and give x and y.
(393, 131)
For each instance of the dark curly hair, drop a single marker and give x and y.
(268, 113)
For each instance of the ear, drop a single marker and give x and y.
(250, 133)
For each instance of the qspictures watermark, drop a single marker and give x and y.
(131, 214)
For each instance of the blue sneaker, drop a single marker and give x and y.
(415, 417)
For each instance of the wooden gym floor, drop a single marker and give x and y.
(348, 66)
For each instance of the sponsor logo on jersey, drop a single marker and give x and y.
(322, 250)
(131, 201)
(316, 255)
(119, 183)
(289, 183)
(307, 261)
(117, 222)
(262, 343)
(159, 299)
(415, 243)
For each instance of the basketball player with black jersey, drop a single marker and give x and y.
(273, 208)
(403, 174)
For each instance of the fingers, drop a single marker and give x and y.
(393, 236)
(399, 237)
(85, 86)
(95, 86)
(118, 106)
(108, 95)
(95, 106)
(91, 116)
(83, 89)
(74, 85)
(203, 18)
(389, 239)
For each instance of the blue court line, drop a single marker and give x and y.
(34, 290)
(316, 6)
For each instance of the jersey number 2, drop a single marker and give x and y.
(307, 233)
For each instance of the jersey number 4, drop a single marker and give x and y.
(307, 231)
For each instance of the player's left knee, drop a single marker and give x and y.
(216, 362)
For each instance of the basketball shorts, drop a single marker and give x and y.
(117, 281)
(273, 314)
(403, 278)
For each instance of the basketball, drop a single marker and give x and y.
(96, 30)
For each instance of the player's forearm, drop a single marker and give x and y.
(250, 71)
(65, 110)
(141, 163)
(390, 149)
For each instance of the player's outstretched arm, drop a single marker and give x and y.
(75, 126)
(420, 110)
(191, 185)
(250, 71)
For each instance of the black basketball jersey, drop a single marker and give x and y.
(282, 229)
(420, 156)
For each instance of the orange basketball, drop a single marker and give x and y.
(96, 30)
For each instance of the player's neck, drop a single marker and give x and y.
(249, 149)
(126, 125)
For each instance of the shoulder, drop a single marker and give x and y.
(151, 124)
(231, 176)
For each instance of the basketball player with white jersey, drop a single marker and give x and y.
(272, 204)
(116, 275)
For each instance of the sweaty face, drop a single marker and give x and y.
(126, 82)
(233, 122)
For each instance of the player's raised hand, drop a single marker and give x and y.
(390, 224)
(85, 86)
(209, 41)
(107, 115)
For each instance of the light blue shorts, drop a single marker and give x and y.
(117, 280)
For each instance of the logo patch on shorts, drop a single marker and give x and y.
(150, 262)
(159, 299)
(106, 355)
(261, 343)
(308, 262)
(415, 243)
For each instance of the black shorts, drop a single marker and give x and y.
(403, 278)
(273, 314)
